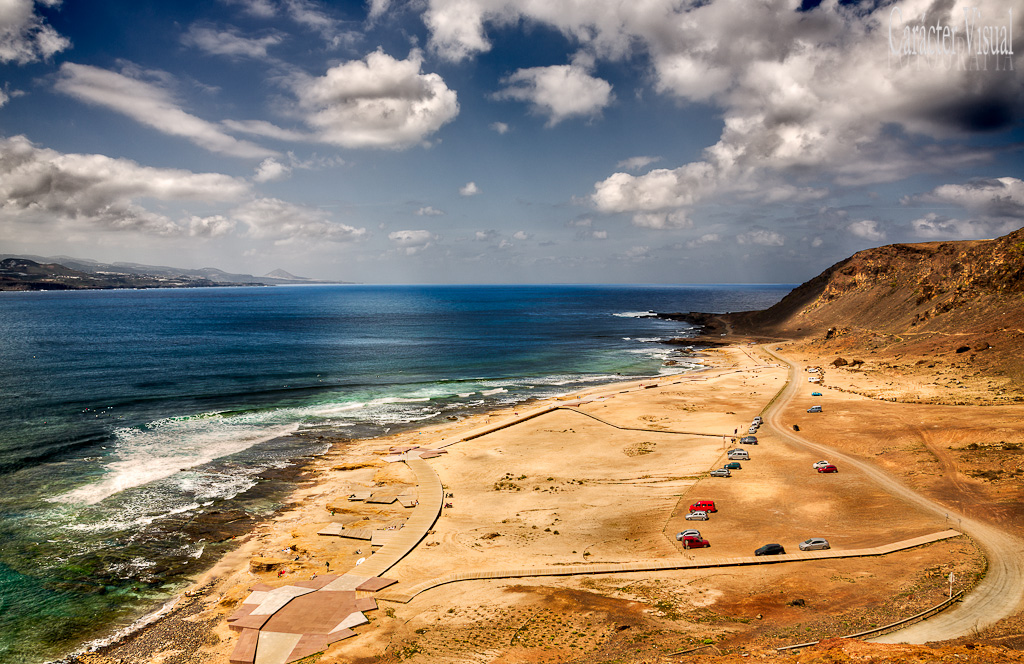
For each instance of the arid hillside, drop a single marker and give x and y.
(962, 300)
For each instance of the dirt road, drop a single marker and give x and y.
(1000, 593)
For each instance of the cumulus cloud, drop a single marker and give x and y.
(500, 127)
(285, 222)
(868, 229)
(637, 163)
(662, 220)
(469, 189)
(934, 226)
(992, 197)
(271, 169)
(558, 92)
(800, 92)
(412, 241)
(707, 238)
(228, 42)
(659, 189)
(151, 105)
(599, 235)
(762, 237)
(40, 185)
(24, 36)
(377, 102)
(215, 226)
(486, 236)
(521, 235)
(428, 211)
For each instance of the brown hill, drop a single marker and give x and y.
(963, 299)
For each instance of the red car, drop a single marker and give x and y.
(691, 542)
(703, 506)
(828, 469)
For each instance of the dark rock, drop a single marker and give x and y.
(963, 349)
(839, 362)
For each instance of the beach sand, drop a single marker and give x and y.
(609, 481)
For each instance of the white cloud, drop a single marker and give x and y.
(799, 91)
(521, 235)
(817, 242)
(469, 189)
(707, 238)
(993, 197)
(867, 229)
(285, 222)
(151, 105)
(39, 185)
(762, 237)
(638, 252)
(558, 92)
(412, 241)
(377, 102)
(637, 163)
(659, 189)
(662, 220)
(215, 226)
(428, 211)
(24, 36)
(599, 235)
(267, 129)
(486, 236)
(934, 226)
(500, 127)
(308, 14)
(260, 8)
(228, 42)
(271, 169)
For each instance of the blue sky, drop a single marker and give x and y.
(488, 141)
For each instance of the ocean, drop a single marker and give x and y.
(126, 416)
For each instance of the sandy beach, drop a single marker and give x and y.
(534, 513)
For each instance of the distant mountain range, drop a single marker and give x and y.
(67, 273)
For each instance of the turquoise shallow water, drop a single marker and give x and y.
(126, 413)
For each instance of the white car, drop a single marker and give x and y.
(820, 464)
(814, 543)
(720, 472)
(697, 516)
(688, 533)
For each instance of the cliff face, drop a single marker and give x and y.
(932, 287)
(913, 299)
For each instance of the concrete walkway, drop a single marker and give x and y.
(406, 595)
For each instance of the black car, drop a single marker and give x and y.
(770, 550)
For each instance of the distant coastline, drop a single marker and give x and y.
(64, 273)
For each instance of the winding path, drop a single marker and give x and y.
(1000, 593)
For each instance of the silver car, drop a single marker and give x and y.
(688, 533)
(721, 472)
(820, 464)
(697, 516)
(814, 543)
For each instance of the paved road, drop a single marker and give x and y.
(1000, 593)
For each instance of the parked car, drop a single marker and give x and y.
(770, 550)
(695, 543)
(758, 421)
(740, 454)
(752, 430)
(687, 533)
(697, 515)
(748, 440)
(828, 469)
(820, 464)
(720, 472)
(814, 543)
(815, 394)
(814, 409)
(703, 506)
(733, 465)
